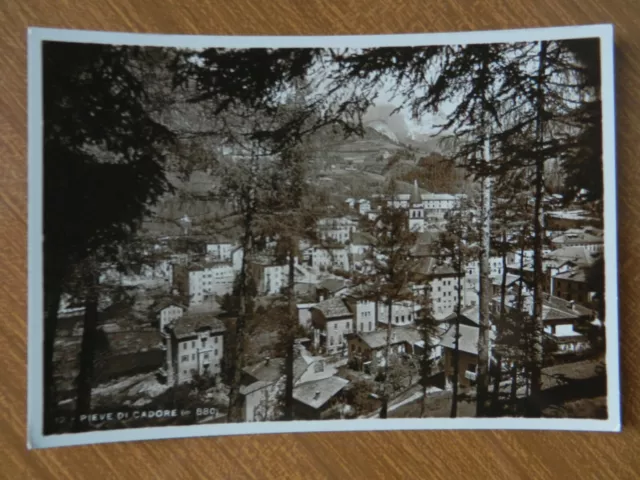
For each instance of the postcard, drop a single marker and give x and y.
(233, 235)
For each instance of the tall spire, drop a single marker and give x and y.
(416, 198)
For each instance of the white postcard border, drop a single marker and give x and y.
(35, 438)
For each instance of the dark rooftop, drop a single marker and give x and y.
(334, 307)
(191, 323)
(163, 303)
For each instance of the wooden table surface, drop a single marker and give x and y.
(433, 455)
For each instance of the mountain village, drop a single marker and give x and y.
(175, 327)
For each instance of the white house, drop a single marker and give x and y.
(472, 276)
(402, 313)
(432, 206)
(263, 385)
(328, 256)
(200, 282)
(220, 250)
(332, 320)
(364, 313)
(436, 205)
(441, 281)
(166, 311)
(194, 343)
(338, 229)
(444, 294)
(472, 269)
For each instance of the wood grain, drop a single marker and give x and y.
(356, 455)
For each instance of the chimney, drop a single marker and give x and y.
(317, 395)
(572, 305)
(266, 361)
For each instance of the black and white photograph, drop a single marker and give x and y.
(236, 235)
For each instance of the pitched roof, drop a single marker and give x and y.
(268, 371)
(426, 238)
(333, 308)
(576, 275)
(271, 370)
(432, 266)
(556, 305)
(305, 292)
(362, 238)
(576, 238)
(190, 323)
(331, 284)
(319, 392)
(511, 279)
(468, 340)
(470, 313)
(252, 387)
(196, 267)
(553, 308)
(165, 302)
(578, 255)
(378, 338)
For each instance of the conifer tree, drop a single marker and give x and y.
(387, 275)
(458, 244)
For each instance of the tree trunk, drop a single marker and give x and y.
(456, 345)
(246, 312)
(53, 294)
(482, 388)
(513, 395)
(423, 404)
(517, 329)
(290, 340)
(387, 351)
(533, 401)
(85, 378)
(497, 379)
(495, 401)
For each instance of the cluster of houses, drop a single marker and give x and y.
(344, 324)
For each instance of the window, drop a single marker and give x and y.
(361, 325)
(206, 356)
(346, 325)
(471, 367)
(402, 318)
(193, 344)
(215, 352)
(369, 325)
(185, 358)
(335, 326)
(215, 339)
(193, 356)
